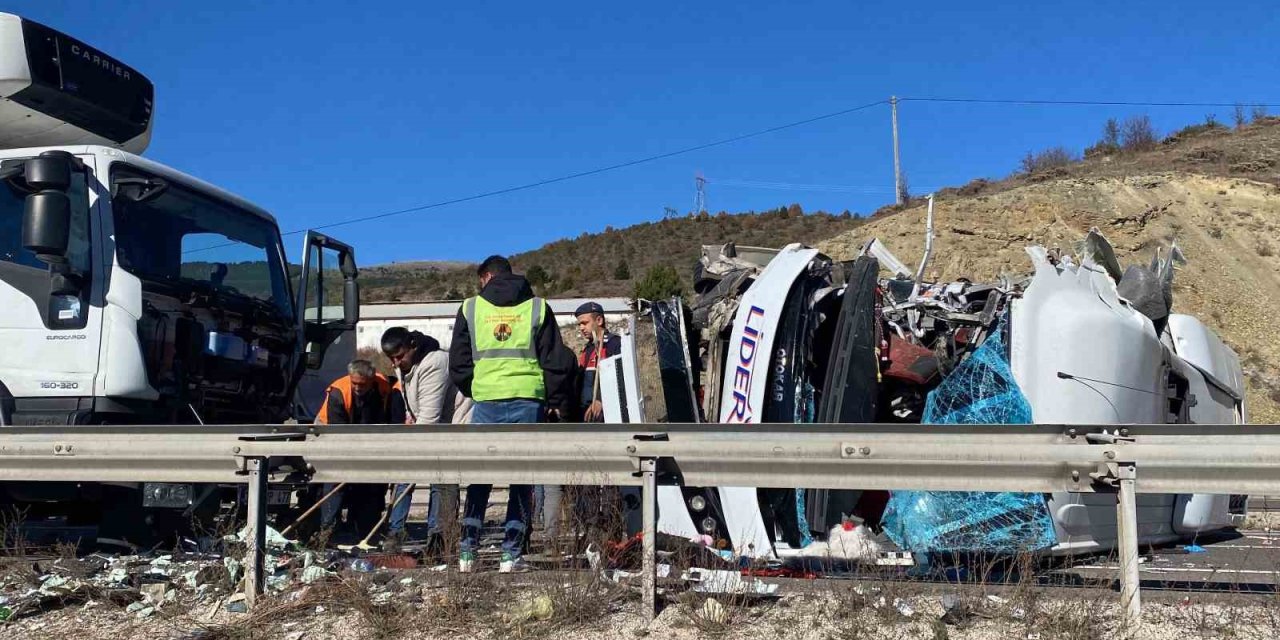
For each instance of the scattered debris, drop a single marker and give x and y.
(234, 568)
(903, 608)
(849, 540)
(714, 612)
(1194, 548)
(273, 539)
(141, 610)
(157, 593)
(315, 573)
(539, 607)
(57, 586)
(237, 604)
(619, 575)
(955, 610)
(727, 582)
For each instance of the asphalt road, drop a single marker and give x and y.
(1246, 561)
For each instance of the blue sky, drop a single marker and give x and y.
(323, 111)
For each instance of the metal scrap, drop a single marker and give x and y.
(727, 582)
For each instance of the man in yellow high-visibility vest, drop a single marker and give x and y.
(504, 355)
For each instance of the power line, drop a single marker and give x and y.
(792, 186)
(592, 172)
(1097, 103)
(746, 136)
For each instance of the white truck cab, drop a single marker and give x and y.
(130, 292)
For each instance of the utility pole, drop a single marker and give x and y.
(897, 163)
(700, 198)
(669, 212)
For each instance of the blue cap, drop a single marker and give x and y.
(589, 307)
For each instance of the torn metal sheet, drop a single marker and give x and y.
(928, 246)
(1096, 250)
(727, 582)
(876, 249)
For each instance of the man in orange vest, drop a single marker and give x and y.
(363, 396)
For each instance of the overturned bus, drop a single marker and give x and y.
(789, 336)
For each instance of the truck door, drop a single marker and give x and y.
(328, 310)
(51, 274)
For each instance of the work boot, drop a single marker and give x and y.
(434, 547)
(392, 542)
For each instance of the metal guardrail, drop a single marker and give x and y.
(1124, 460)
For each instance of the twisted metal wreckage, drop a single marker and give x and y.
(790, 336)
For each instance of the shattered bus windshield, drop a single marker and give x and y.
(183, 237)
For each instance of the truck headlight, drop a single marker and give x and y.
(166, 495)
(697, 503)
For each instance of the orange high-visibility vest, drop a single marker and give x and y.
(343, 386)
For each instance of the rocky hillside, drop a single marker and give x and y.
(1227, 227)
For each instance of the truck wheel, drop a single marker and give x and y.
(123, 517)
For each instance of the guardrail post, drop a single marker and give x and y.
(1127, 523)
(649, 551)
(255, 576)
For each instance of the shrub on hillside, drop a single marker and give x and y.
(659, 283)
(1110, 142)
(537, 276)
(1193, 130)
(1137, 134)
(1054, 158)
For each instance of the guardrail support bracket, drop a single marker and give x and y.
(1127, 521)
(255, 577)
(649, 551)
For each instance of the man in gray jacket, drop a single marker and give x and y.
(430, 397)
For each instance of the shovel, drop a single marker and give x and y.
(364, 545)
(312, 510)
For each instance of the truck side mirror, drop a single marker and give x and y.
(46, 225)
(50, 171)
(350, 303)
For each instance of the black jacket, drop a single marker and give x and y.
(509, 290)
(568, 393)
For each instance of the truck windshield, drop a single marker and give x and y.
(186, 238)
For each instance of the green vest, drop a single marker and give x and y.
(504, 349)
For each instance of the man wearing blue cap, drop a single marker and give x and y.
(600, 344)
